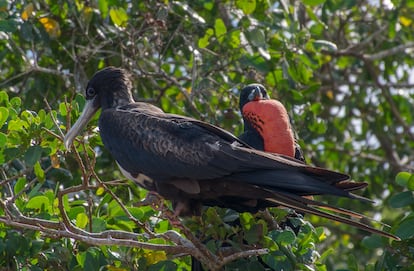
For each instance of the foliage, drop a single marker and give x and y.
(343, 68)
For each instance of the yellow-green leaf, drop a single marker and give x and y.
(205, 41)
(118, 16)
(39, 172)
(81, 220)
(4, 114)
(248, 6)
(220, 29)
(405, 21)
(38, 202)
(100, 191)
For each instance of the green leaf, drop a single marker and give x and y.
(205, 41)
(21, 182)
(402, 199)
(3, 140)
(17, 125)
(38, 202)
(4, 97)
(247, 6)
(33, 155)
(257, 37)
(62, 109)
(406, 229)
(410, 184)
(8, 25)
(220, 29)
(284, 238)
(402, 178)
(405, 179)
(74, 211)
(81, 220)
(39, 172)
(372, 242)
(118, 16)
(235, 39)
(98, 224)
(4, 114)
(103, 7)
(136, 212)
(16, 102)
(313, 2)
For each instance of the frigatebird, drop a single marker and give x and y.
(267, 124)
(194, 163)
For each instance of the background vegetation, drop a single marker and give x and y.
(344, 70)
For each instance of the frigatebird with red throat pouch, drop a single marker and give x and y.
(193, 163)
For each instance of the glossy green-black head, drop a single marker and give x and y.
(108, 88)
(252, 92)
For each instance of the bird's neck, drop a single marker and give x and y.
(119, 98)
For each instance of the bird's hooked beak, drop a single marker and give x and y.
(88, 112)
(256, 95)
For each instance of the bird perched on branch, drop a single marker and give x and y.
(194, 163)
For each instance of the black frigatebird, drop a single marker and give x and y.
(194, 163)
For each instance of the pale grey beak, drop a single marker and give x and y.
(256, 94)
(87, 113)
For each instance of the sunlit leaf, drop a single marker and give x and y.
(405, 21)
(220, 29)
(4, 114)
(118, 16)
(100, 191)
(155, 256)
(204, 41)
(248, 6)
(38, 202)
(27, 11)
(3, 140)
(51, 26)
(21, 182)
(402, 178)
(103, 7)
(39, 172)
(313, 2)
(81, 220)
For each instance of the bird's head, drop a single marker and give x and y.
(252, 92)
(108, 88)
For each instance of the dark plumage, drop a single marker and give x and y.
(194, 163)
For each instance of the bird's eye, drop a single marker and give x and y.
(90, 92)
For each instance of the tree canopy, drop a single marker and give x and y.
(344, 70)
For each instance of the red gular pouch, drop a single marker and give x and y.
(271, 120)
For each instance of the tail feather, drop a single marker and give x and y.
(308, 206)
